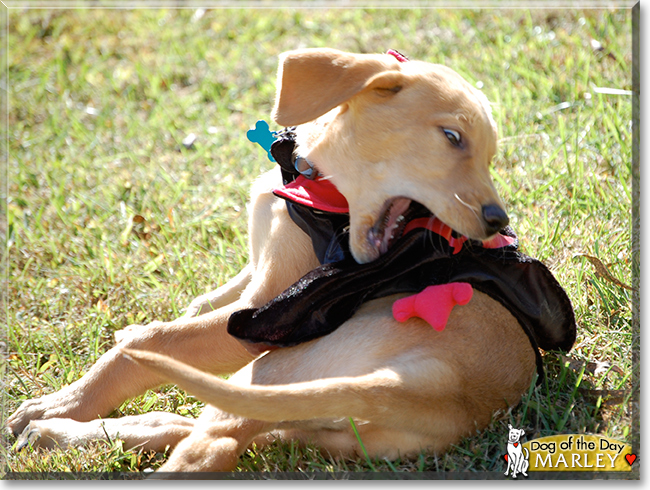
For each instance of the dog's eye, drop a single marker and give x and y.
(452, 136)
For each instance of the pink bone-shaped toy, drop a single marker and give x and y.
(433, 304)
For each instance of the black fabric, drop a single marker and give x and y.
(328, 231)
(329, 295)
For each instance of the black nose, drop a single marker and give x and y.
(495, 218)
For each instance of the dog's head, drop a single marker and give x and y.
(515, 434)
(389, 134)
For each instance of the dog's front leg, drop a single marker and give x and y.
(151, 431)
(509, 464)
(202, 342)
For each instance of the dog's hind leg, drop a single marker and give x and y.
(215, 444)
(312, 411)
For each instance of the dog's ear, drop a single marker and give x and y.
(311, 82)
(509, 426)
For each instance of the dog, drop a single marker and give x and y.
(517, 461)
(385, 133)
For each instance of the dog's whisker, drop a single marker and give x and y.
(472, 208)
(464, 203)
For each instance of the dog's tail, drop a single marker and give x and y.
(332, 397)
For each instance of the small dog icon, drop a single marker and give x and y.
(515, 458)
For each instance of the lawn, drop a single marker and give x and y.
(113, 219)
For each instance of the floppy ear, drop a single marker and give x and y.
(311, 82)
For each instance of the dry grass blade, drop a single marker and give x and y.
(602, 272)
(595, 368)
(610, 398)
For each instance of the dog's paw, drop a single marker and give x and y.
(201, 305)
(63, 403)
(29, 437)
(133, 332)
(196, 308)
(47, 434)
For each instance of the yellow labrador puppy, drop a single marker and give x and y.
(385, 133)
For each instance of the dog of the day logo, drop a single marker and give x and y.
(517, 455)
(566, 452)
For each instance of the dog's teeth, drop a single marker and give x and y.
(400, 218)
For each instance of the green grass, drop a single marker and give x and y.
(111, 221)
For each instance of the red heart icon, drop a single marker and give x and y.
(516, 444)
(505, 456)
(631, 458)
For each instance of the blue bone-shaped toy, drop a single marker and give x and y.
(262, 136)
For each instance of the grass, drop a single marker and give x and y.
(112, 221)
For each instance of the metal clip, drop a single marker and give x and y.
(305, 167)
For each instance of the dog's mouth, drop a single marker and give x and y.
(395, 215)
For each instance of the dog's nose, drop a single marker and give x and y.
(495, 218)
